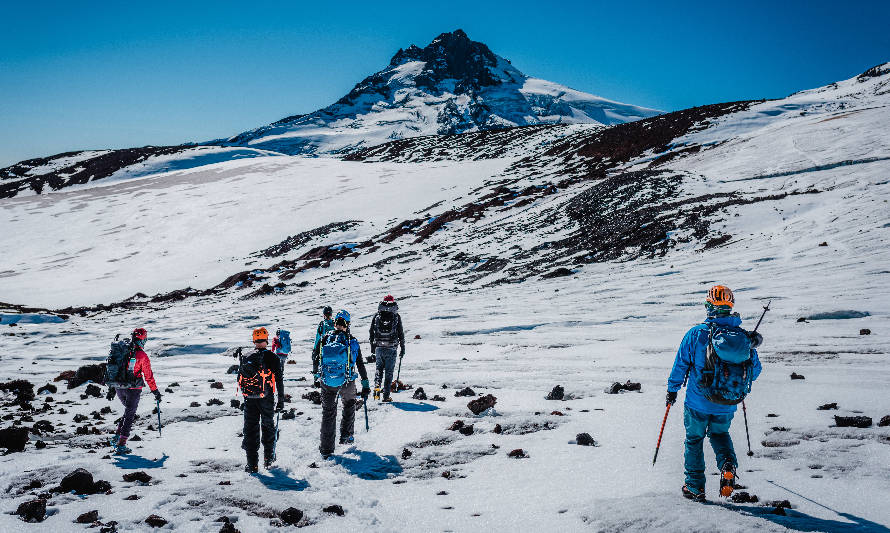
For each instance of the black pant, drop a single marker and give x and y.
(329, 397)
(254, 410)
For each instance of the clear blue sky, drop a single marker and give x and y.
(78, 75)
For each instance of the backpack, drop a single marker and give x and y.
(118, 371)
(283, 341)
(254, 379)
(727, 374)
(385, 332)
(337, 361)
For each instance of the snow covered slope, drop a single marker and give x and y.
(566, 255)
(453, 85)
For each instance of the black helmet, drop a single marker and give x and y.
(327, 311)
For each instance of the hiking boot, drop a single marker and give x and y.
(251, 469)
(121, 449)
(387, 399)
(347, 440)
(727, 479)
(695, 496)
(113, 441)
(269, 461)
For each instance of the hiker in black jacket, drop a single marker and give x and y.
(259, 377)
(386, 333)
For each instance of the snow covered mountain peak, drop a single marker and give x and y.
(452, 85)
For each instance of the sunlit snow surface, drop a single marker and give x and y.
(608, 322)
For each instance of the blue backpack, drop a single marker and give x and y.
(337, 360)
(283, 341)
(727, 374)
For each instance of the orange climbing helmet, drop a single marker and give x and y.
(720, 295)
(260, 334)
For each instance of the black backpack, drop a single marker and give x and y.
(254, 379)
(385, 332)
(117, 366)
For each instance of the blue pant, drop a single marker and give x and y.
(717, 428)
(130, 399)
(386, 364)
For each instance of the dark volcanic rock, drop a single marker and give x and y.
(217, 385)
(795, 375)
(236, 404)
(627, 386)
(49, 388)
(42, 426)
(437, 398)
(466, 391)
(584, 439)
(399, 386)
(481, 404)
(456, 425)
(518, 453)
(23, 389)
(214, 401)
(744, 497)
(232, 369)
(156, 521)
(334, 509)
(865, 331)
(852, 421)
(93, 390)
(88, 517)
(497, 429)
(79, 481)
(290, 414)
(139, 476)
(40, 445)
(78, 418)
(94, 373)
(406, 453)
(32, 511)
(313, 396)
(466, 430)
(558, 273)
(885, 421)
(229, 528)
(558, 393)
(827, 407)
(419, 394)
(14, 438)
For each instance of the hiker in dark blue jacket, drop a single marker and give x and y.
(702, 416)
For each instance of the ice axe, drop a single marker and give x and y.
(660, 433)
(365, 404)
(158, 403)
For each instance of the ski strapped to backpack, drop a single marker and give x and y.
(118, 368)
(253, 377)
(728, 371)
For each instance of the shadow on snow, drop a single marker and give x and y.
(421, 407)
(368, 465)
(280, 480)
(134, 462)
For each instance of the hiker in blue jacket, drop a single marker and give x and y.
(703, 416)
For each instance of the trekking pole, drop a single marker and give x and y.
(275, 444)
(745, 412)
(365, 403)
(399, 372)
(660, 433)
(158, 403)
(765, 309)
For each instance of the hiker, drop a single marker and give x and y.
(281, 347)
(259, 377)
(386, 332)
(324, 327)
(129, 389)
(339, 355)
(717, 360)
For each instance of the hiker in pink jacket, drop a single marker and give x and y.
(139, 374)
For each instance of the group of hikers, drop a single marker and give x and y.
(336, 356)
(717, 361)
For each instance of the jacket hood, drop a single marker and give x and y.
(733, 320)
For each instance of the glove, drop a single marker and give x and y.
(366, 389)
(671, 398)
(280, 406)
(402, 353)
(157, 394)
(756, 339)
(110, 395)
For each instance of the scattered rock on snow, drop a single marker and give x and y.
(584, 439)
(558, 393)
(290, 414)
(139, 476)
(217, 385)
(865, 331)
(827, 407)
(466, 391)
(313, 396)
(214, 401)
(236, 404)
(229, 528)
(79, 481)
(156, 521)
(885, 421)
(49, 388)
(852, 421)
(406, 453)
(456, 425)
(88, 517)
(481, 404)
(40, 445)
(557, 413)
(194, 404)
(823, 243)
(291, 516)
(497, 429)
(32, 511)
(14, 438)
(417, 337)
(419, 394)
(795, 375)
(42, 426)
(744, 497)
(94, 373)
(93, 390)
(627, 386)
(399, 386)
(518, 453)
(466, 430)
(334, 509)
(23, 389)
